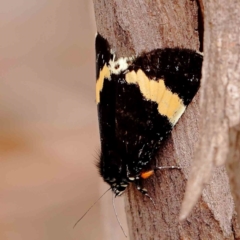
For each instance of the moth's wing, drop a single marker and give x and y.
(140, 127)
(178, 71)
(151, 96)
(105, 93)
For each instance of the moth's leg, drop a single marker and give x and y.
(143, 190)
(149, 173)
(165, 167)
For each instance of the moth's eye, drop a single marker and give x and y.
(112, 180)
(128, 61)
(116, 66)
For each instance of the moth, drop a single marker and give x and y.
(139, 100)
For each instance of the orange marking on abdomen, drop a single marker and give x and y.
(147, 174)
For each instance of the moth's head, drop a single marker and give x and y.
(113, 171)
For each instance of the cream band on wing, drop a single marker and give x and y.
(104, 73)
(169, 104)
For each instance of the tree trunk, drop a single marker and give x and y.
(219, 109)
(133, 26)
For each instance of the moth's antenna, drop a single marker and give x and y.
(90, 208)
(113, 203)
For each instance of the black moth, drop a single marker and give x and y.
(140, 99)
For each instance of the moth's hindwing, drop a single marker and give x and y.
(139, 102)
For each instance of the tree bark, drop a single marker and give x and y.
(219, 107)
(134, 26)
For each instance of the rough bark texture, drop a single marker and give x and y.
(219, 108)
(133, 26)
(233, 166)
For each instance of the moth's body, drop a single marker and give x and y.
(140, 99)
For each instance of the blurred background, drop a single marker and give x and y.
(49, 138)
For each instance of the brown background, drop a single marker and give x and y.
(48, 124)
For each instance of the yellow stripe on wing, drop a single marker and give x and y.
(104, 73)
(169, 104)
